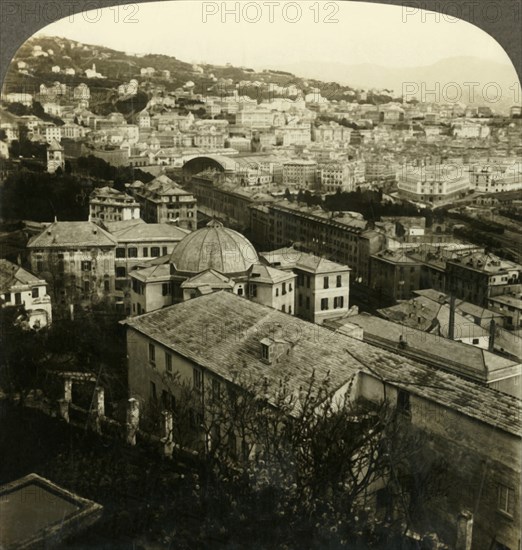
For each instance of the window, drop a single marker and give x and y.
(153, 394)
(152, 354)
(283, 308)
(216, 389)
(326, 282)
(339, 281)
(154, 251)
(121, 272)
(277, 292)
(86, 265)
(253, 291)
(265, 352)
(107, 286)
(164, 252)
(166, 399)
(86, 286)
(289, 287)
(197, 377)
(120, 253)
(308, 281)
(283, 291)
(307, 302)
(18, 298)
(145, 252)
(324, 304)
(475, 340)
(505, 496)
(133, 252)
(338, 302)
(300, 299)
(403, 401)
(35, 292)
(290, 310)
(165, 289)
(7, 296)
(168, 362)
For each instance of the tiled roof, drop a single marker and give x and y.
(70, 234)
(264, 274)
(12, 275)
(222, 332)
(395, 256)
(462, 307)
(291, 258)
(488, 263)
(427, 315)
(150, 274)
(462, 359)
(55, 146)
(137, 230)
(211, 278)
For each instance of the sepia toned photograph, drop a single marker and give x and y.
(261, 277)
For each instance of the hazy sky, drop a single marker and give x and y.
(365, 33)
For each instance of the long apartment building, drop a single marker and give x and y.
(433, 184)
(346, 240)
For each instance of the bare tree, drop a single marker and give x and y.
(323, 464)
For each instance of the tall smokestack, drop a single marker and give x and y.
(451, 328)
(491, 341)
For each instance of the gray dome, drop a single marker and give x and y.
(214, 247)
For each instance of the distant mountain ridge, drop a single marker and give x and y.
(439, 82)
(440, 75)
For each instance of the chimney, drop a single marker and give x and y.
(464, 530)
(491, 341)
(451, 328)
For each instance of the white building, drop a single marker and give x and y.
(300, 172)
(109, 205)
(432, 184)
(19, 287)
(343, 176)
(496, 178)
(55, 157)
(18, 97)
(53, 133)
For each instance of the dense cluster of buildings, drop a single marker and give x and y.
(222, 241)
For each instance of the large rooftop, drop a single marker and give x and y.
(139, 231)
(291, 258)
(222, 333)
(462, 359)
(72, 234)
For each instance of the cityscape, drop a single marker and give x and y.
(244, 306)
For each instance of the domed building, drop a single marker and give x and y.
(207, 260)
(214, 247)
(217, 251)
